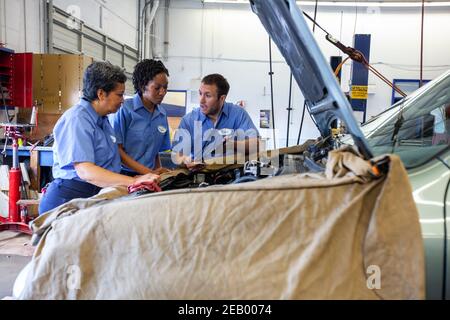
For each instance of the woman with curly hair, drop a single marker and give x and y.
(141, 126)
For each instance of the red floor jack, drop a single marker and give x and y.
(17, 217)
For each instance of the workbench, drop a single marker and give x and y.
(39, 157)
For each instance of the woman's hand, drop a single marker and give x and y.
(149, 177)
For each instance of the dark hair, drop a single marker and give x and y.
(146, 71)
(101, 75)
(223, 87)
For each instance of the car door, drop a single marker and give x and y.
(429, 183)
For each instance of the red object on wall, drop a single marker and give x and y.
(6, 75)
(23, 80)
(16, 78)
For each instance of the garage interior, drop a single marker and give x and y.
(391, 62)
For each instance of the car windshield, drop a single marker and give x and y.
(416, 128)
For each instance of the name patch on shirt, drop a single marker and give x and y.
(226, 132)
(162, 129)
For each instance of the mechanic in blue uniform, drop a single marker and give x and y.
(85, 154)
(140, 125)
(207, 128)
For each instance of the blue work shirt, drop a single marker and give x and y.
(81, 135)
(231, 118)
(143, 134)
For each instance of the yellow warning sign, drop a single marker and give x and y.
(359, 92)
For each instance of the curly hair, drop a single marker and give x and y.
(146, 71)
(101, 75)
(223, 87)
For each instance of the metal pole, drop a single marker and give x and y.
(304, 103)
(271, 93)
(25, 24)
(15, 160)
(50, 27)
(289, 111)
(142, 29)
(1, 21)
(166, 31)
(139, 29)
(421, 44)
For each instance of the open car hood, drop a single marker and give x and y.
(326, 102)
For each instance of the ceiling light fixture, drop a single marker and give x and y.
(348, 4)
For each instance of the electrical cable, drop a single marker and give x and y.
(339, 67)
(245, 179)
(355, 55)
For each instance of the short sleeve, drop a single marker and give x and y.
(120, 125)
(75, 142)
(184, 123)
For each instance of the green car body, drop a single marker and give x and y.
(430, 188)
(422, 142)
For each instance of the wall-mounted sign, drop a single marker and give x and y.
(359, 92)
(264, 119)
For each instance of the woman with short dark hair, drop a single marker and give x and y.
(85, 154)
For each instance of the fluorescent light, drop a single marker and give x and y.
(373, 4)
(227, 1)
(349, 3)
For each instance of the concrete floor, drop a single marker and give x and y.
(10, 267)
(15, 253)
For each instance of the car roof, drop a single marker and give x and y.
(284, 22)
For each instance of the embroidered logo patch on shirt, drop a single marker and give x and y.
(162, 129)
(226, 132)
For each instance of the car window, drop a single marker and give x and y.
(417, 128)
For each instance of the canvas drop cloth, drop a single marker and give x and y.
(300, 236)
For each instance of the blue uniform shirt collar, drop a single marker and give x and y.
(91, 111)
(138, 104)
(224, 112)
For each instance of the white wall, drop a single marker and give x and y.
(229, 39)
(21, 28)
(22, 21)
(119, 18)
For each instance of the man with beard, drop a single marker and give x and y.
(215, 123)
